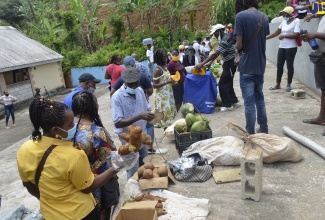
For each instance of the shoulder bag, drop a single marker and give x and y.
(41, 164)
(240, 53)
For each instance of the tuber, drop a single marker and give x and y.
(147, 174)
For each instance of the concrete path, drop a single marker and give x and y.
(290, 190)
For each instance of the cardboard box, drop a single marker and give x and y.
(144, 210)
(155, 183)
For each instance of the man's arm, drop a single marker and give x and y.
(313, 35)
(239, 43)
(147, 116)
(210, 58)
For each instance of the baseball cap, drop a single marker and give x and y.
(216, 27)
(181, 47)
(289, 10)
(131, 75)
(87, 77)
(129, 61)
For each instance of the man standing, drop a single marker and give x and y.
(226, 48)
(149, 55)
(208, 46)
(86, 82)
(142, 68)
(197, 48)
(252, 64)
(130, 107)
(319, 69)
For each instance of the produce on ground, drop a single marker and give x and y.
(187, 108)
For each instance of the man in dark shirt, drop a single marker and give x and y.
(252, 63)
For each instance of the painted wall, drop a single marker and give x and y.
(303, 67)
(48, 75)
(97, 71)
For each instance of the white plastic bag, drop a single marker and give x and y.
(169, 132)
(120, 162)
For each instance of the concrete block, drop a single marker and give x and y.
(298, 94)
(251, 164)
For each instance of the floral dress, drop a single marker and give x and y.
(97, 144)
(164, 99)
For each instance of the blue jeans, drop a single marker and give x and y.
(10, 110)
(143, 152)
(252, 92)
(150, 131)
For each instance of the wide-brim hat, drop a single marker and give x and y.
(131, 75)
(216, 27)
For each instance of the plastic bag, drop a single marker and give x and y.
(120, 162)
(275, 148)
(169, 132)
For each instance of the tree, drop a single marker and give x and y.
(10, 12)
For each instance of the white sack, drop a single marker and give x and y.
(169, 132)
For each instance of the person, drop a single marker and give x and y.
(146, 86)
(37, 92)
(145, 83)
(293, 4)
(8, 102)
(319, 69)
(96, 142)
(178, 88)
(142, 68)
(197, 48)
(226, 83)
(288, 30)
(66, 181)
(114, 69)
(189, 59)
(149, 55)
(86, 82)
(207, 46)
(252, 63)
(163, 89)
(302, 8)
(130, 107)
(229, 28)
(181, 49)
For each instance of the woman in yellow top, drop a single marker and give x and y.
(66, 182)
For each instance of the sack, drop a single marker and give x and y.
(110, 193)
(238, 55)
(317, 58)
(299, 41)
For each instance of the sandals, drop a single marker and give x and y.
(274, 88)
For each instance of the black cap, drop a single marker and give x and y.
(88, 77)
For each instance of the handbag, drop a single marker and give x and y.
(317, 58)
(110, 193)
(239, 54)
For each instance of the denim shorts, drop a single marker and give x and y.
(319, 72)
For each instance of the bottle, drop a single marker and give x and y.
(312, 42)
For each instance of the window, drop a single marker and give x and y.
(16, 76)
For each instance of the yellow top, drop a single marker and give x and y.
(66, 172)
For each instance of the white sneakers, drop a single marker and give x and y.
(224, 109)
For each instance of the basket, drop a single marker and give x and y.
(184, 140)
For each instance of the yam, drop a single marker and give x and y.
(147, 174)
(159, 205)
(140, 171)
(149, 165)
(155, 170)
(155, 175)
(162, 171)
(161, 212)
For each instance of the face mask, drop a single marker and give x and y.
(71, 132)
(286, 19)
(175, 58)
(6, 94)
(91, 90)
(131, 91)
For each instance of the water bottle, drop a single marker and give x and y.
(312, 42)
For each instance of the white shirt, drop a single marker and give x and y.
(8, 100)
(321, 29)
(197, 48)
(150, 54)
(291, 28)
(207, 47)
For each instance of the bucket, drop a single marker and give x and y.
(147, 41)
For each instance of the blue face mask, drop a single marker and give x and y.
(131, 91)
(286, 19)
(91, 90)
(71, 132)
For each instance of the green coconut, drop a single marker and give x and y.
(190, 119)
(187, 108)
(181, 127)
(199, 126)
(202, 118)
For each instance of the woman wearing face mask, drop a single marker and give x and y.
(288, 30)
(114, 69)
(189, 59)
(163, 91)
(8, 102)
(178, 89)
(65, 180)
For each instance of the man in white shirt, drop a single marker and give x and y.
(149, 55)
(197, 48)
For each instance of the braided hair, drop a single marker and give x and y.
(241, 5)
(159, 57)
(114, 58)
(46, 114)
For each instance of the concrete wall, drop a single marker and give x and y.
(48, 75)
(304, 68)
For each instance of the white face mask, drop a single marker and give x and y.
(286, 19)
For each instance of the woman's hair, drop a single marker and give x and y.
(241, 5)
(159, 57)
(114, 58)
(84, 102)
(46, 114)
(176, 50)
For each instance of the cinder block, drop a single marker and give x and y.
(251, 164)
(298, 94)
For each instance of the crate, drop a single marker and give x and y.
(184, 140)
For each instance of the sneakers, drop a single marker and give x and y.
(288, 89)
(151, 151)
(14, 125)
(7, 127)
(224, 109)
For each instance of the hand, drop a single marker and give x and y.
(308, 17)
(120, 162)
(309, 36)
(198, 66)
(281, 36)
(147, 116)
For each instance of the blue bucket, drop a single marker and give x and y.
(147, 41)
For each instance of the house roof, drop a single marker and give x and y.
(19, 51)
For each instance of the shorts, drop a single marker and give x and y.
(319, 72)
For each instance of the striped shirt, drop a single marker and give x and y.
(227, 48)
(8, 100)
